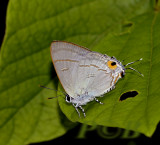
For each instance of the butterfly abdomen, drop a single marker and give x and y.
(82, 99)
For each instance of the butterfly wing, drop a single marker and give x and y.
(81, 70)
(66, 57)
(94, 76)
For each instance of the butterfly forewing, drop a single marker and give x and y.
(66, 57)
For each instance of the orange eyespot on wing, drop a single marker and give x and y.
(112, 64)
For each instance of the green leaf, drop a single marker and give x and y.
(140, 113)
(32, 118)
(26, 115)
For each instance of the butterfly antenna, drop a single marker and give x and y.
(51, 89)
(135, 70)
(133, 62)
(54, 97)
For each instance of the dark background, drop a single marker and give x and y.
(91, 136)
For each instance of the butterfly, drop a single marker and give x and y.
(85, 74)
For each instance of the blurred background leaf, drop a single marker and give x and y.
(26, 114)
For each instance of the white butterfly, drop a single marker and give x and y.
(85, 74)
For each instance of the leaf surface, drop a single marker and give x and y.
(26, 114)
(139, 113)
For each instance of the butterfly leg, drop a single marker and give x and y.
(76, 107)
(82, 111)
(98, 101)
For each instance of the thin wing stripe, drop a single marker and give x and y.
(65, 60)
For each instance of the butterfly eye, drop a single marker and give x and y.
(68, 99)
(112, 64)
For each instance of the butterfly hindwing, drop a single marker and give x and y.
(94, 76)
